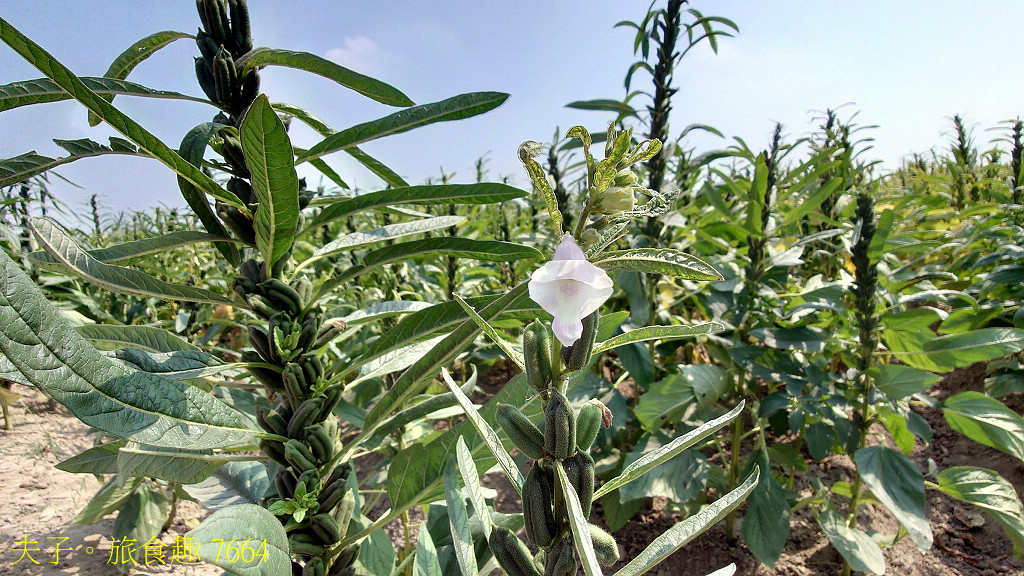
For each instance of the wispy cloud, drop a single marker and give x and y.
(361, 54)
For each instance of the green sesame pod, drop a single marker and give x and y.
(314, 567)
(308, 335)
(285, 482)
(588, 424)
(326, 527)
(243, 286)
(271, 421)
(250, 90)
(332, 396)
(328, 331)
(207, 46)
(215, 19)
(305, 548)
(240, 29)
(310, 479)
(322, 445)
(242, 189)
(539, 520)
(284, 294)
(577, 356)
(561, 560)
(294, 382)
(275, 450)
(340, 472)
(512, 555)
(262, 306)
(260, 342)
(579, 468)
(312, 368)
(205, 78)
(605, 549)
(343, 513)
(304, 287)
(305, 415)
(559, 427)
(236, 222)
(277, 269)
(537, 355)
(298, 455)
(332, 495)
(269, 378)
(224, 76)
(521, 431)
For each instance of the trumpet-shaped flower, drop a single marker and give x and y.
(570, 289)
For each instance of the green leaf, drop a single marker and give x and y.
(248, 525)
(678, 535)
(652, 459)
(857, 548)
(193, 149)
(109, 498)
(482, 193)
(233, 483)
(663, 333)
(989, 491)
(180, 466)
(965, 348)
(467, 469)
(677, 396)
(458, 519)
(38, 340)
(527, 151)
(73, 85)
(388, 232)
(100, 459)
(110, 336)
(418, 411)
(679, 479)
(986, 421)
(25, 166)
(659, 261)
(114, 278)
(456, 108)
(820, 438)
(898, 381)
(145, 247)
(514, 355)
(579, 523)
(805, 338)
(268, 155)
(141, 518)
(365, 85)
(766, 524)
(508, 465)
(896, 482)
(44, 90)
(426, 556)
(605, 105)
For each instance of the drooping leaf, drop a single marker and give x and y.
(268, 155)
(898, 381)
(19, 168)
(766, 524)
(579, 523)
(668, 400)
(193, 149)
(658, 333)
(145, 247)
(109, 336)
(659, 261)
(455, 108)
(426, 557)
(40, 342)
(139, 519)
(989, 491)
(240, 526)
(678, 535)
(100, 459)
(899, 485)
(68, 253)
(43, 90)
(856, 546)
(172, 465)
(130, 129)
(387, 232)
(986, 421)
(458, 519)
(365, 85)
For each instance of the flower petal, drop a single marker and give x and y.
(568, 249)
(567, 331)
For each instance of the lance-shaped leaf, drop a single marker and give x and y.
(140, 248)
(659, 261)
(134, 55)
(987, 421)
(40, 342)
(482, 193)
(766, 524)
(856, 546)
(412, 380)
(25, 166)
(458, 519)
(110, 336)
(455, 108)
(43, 90)
(467, 469)
(580, 526)
(427, 563)
(658, 333)
(181, 466)
(666, 452)
(193, 149)
(268, 155)
(365, 85)
(527, 151)
(68, 253)
(677, 536)
(989, 491)
(388, 232)
(100, 459)
(508, 465)
(130, 129)
(240, 526)
(514, 355)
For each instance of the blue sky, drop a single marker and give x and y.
(905, 66)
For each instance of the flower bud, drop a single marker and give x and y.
(615, 200)
(590, 237)
(626, 177)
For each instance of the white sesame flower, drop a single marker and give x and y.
(570, 289)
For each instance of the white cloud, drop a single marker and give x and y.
(360, 54)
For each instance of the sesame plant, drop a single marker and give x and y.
(265, 449)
